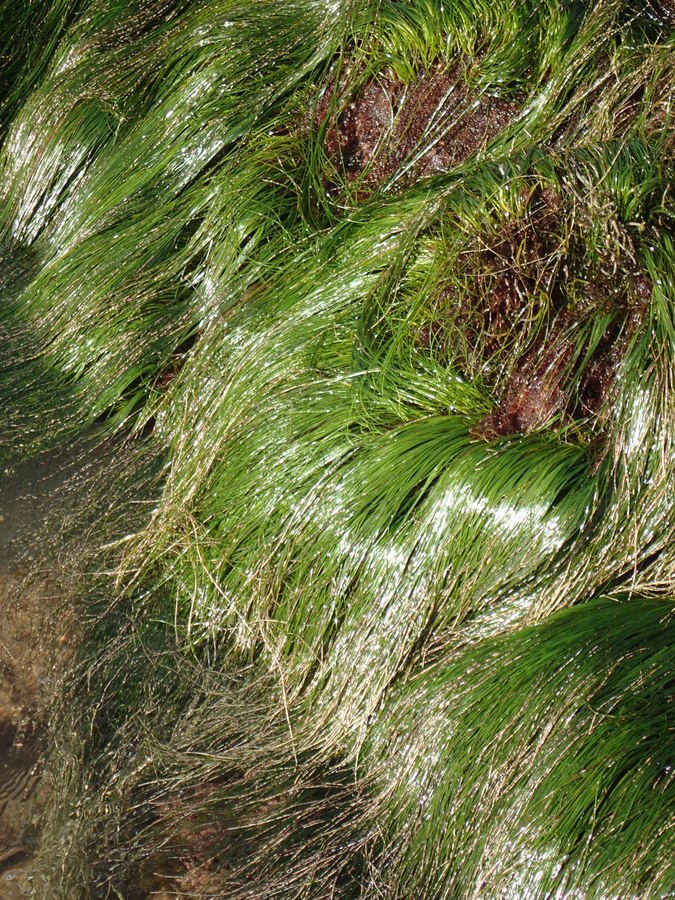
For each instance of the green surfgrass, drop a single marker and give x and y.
(385, 605)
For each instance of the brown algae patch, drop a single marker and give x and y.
(387, 128)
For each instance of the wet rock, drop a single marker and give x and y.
(520, 271)
(542, 385)
(14, 883)
(392, 130)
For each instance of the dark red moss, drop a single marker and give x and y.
(533, 395)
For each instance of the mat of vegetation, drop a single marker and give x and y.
(376, 301)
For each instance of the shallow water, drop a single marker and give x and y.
(36, 634)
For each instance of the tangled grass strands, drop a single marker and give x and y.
(374, 301)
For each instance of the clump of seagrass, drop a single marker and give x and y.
(387, 292)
